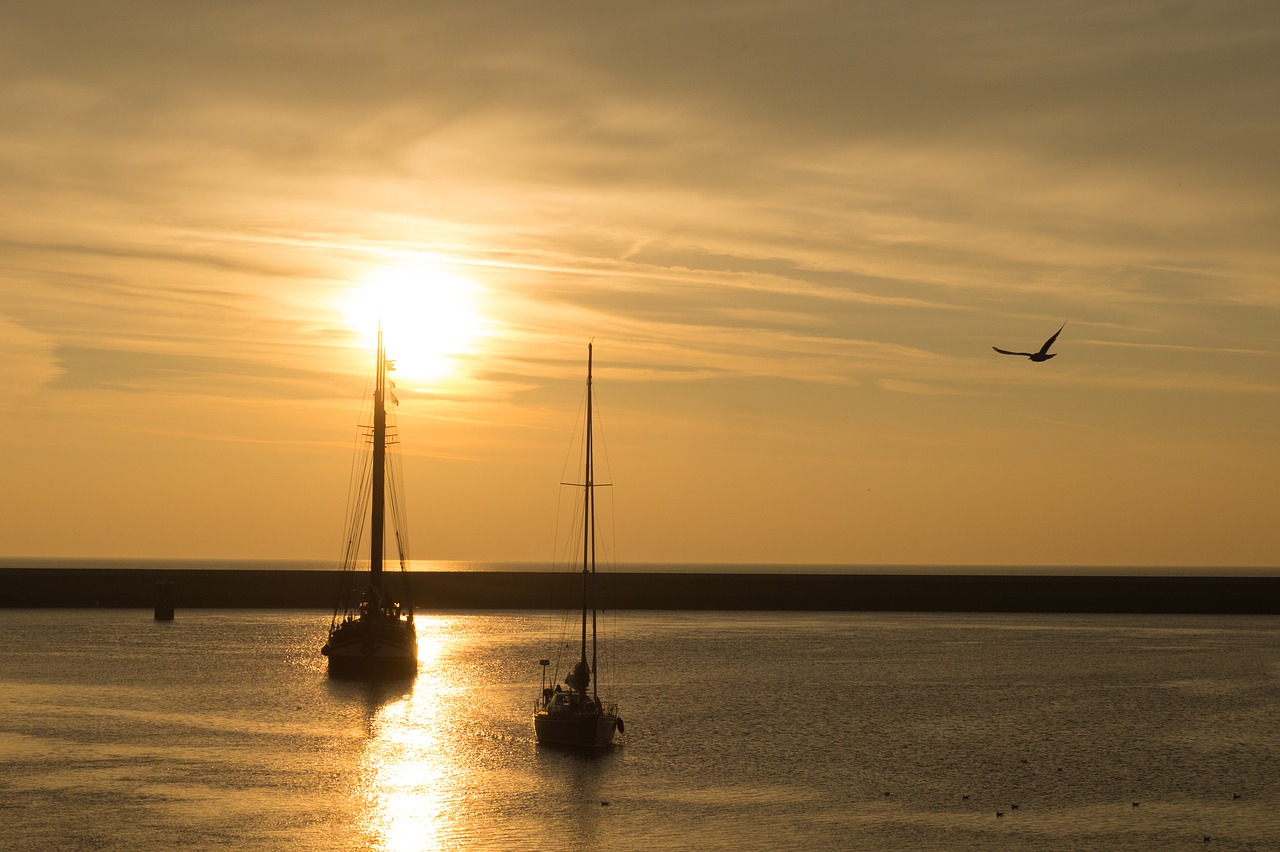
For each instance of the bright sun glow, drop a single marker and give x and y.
(429, 316)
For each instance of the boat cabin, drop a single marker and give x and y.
(568, 702)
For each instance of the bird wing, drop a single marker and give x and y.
(1007, 352)
(1049, 342)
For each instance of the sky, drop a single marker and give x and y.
(794, 231)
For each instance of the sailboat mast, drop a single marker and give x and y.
(587, 525)
(379, 495)
(591, 519)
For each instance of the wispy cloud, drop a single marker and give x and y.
(829, 203)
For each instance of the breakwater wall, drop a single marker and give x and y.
(79, 588)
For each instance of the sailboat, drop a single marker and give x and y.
(372, 634)
(577, 718)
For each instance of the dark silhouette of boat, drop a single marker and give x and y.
(372, 634)
(577, 718)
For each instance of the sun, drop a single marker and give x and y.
(429, 314)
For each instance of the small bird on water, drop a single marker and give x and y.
(1043, 355)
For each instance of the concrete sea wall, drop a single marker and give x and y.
(75, 588)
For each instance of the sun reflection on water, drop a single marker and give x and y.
(409, 766)
(448, 760)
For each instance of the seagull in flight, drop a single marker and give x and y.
(1043, 355)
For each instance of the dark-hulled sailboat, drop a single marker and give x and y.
(372, 634)
(578, 718)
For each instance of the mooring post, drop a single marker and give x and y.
(164, 600)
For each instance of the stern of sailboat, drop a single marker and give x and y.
(576, 729)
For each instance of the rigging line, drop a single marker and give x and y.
(608, 624)
(610, 557)
(399, 514)
(358, 457)
(400, 531)
(559, 558)
(555, 558)
(352, 482)
(576, 441)
(566, 542)
(567, 567)
(566, 556)
(357, 517)
(599, 439)
(568, 623)
(351, 554)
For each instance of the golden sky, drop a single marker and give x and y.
(794, 230)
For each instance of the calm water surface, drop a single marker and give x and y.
(744, 731)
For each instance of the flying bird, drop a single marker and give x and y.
(1043, 355)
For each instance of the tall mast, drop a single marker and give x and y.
(379, 495)
(587, 525)
(591, 519)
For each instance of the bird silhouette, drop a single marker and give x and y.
(1043, 355)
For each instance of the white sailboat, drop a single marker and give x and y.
(372, 634)
(577, 717)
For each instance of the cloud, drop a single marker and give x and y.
(788, 171)
(26, 364)
(166, 371)
(794, 227)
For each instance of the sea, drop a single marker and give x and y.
(743, 731)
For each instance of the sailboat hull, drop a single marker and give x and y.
(576, 730)
(360, 651)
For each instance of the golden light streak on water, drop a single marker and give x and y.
(411, 761)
